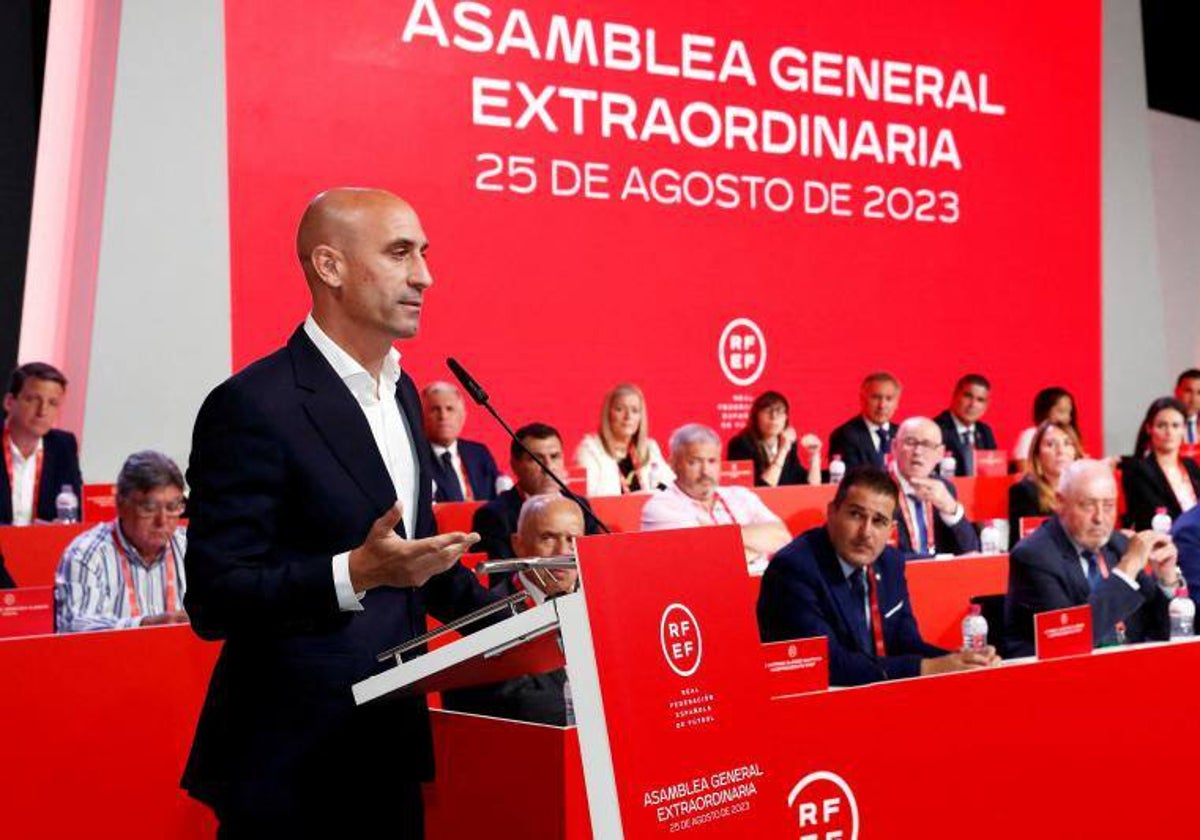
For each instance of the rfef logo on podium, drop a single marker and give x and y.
(682, 645)
(824, 807)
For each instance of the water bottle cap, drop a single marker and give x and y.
(1158, 511)
(837, 456)
(1181, 592)
(976, 609)
(67, 488)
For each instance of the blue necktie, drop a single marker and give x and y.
(921, 538)
(451, 488)
(885, 445)
(1094, 576)
(1191, 429)
(968, 443)
(858, 588)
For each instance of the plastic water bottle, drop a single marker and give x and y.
(989, 539)
(974, 629)
(1183, 614)
(949, 465)
(66, 505)
(1161, 523)
(837, 469)
(568, 703)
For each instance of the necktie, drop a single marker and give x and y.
(1094, 576)
(858, 588)
(451, 488)
(968, 443)
(921, 538)
(885, 445)
(1191, 429)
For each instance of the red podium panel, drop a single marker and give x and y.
(31, 552)
(455, 516)
(27, 612)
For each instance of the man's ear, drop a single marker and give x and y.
(9, 402)
(329, 265)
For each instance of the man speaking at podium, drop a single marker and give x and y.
(310, 547)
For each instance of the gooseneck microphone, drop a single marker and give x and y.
(480, 397)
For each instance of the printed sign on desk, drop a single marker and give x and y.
(27, 612)
(799, 666)
(1060, 633)
(738, 473)
(677, 678)
(991, 462)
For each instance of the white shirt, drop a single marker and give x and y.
(961, 429)
(24, 479)
(393, 439)
(463, 481)
(672, 508)
(874, 430)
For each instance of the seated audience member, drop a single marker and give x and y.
(1157, 475)
(622, 458)
(1077, 558)
(1055, 445)
(929, 518)
(128, 572)
(963, 430)
(548, 526)
(1186, 534)
(1054, 404)
(843, 581)
(39, 460)
(695, 497)
(867, 439)
(496, 522)
(463, 470)
(770, 442)
(1187, 391)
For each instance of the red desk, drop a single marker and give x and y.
(31, 552)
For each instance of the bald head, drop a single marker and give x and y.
(918, 447)
(1087, 502)
(363, 255)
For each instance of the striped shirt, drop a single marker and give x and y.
(89, 586)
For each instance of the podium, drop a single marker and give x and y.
(678, 732)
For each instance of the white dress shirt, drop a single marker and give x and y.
(393, 438)
(24, 479)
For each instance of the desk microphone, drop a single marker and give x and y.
(480, 397)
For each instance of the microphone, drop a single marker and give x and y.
(476, 392)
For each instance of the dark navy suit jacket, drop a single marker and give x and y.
(984, 439)
(1045, 573)
(60, 465)
(1186, 533)
(959, 539)
(479, 466)
(856, 443)
(804, 593)
(284, 474)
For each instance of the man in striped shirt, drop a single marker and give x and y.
(128, 572)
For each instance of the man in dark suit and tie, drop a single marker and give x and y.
(1186, 535)
(963, 430)
(496, 522)
(39, 460)
(929, 518)
(1187, 391)
(1077, 558)
(463, 470)
(867, 439)
(311, 547)
(844, 582)
(548, 526)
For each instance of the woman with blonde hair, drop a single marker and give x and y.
(622, 458)
(1055, 444)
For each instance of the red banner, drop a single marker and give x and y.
(703, 199)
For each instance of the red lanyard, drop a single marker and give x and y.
(910, 519)
(125, 563)
(717, 500)
(876, 617)
(37, 472)
(464, 479)
(1101, 564)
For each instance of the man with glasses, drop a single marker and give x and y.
(1077, 558)
(929, 518)
(128, 572)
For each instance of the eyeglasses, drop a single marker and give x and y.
(916, 443)
(146, 508)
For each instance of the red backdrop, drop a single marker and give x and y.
(552, 300)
